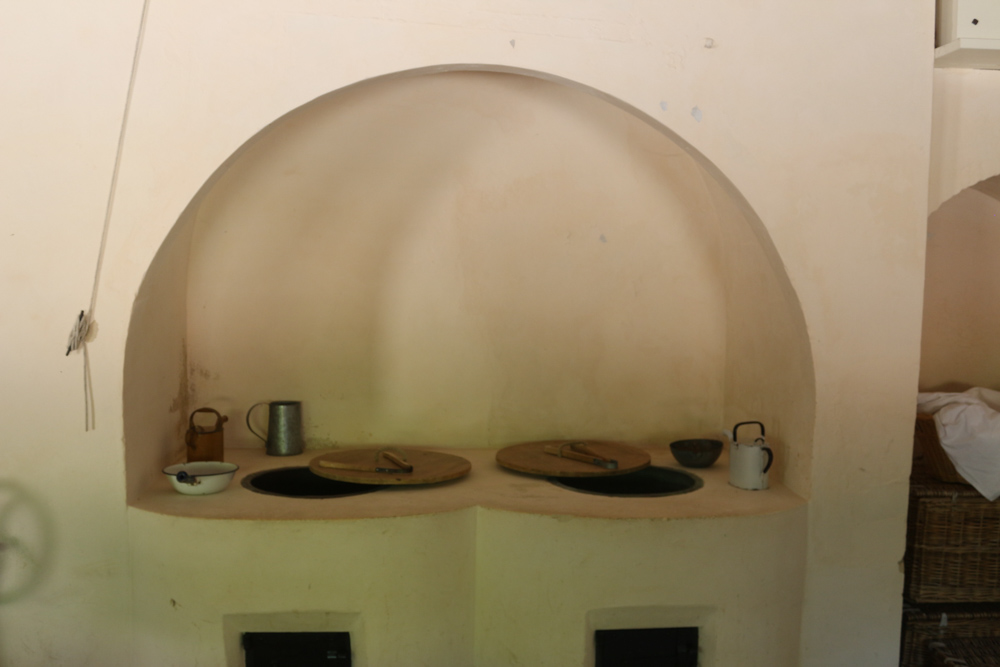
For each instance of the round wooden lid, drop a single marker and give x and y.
(532, 458)
(428, 467)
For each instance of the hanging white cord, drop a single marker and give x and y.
(85, 325)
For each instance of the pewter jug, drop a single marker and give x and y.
(284, 428)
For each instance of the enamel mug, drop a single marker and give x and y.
(749, 461)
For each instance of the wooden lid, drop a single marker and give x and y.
(428, 467)
(531, 458)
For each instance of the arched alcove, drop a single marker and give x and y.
(961, 324)
(468, 258)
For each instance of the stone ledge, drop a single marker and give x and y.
(487, 485)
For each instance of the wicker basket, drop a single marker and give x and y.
(927, 443)
(952, 544)
(971, 652)
(943, 623)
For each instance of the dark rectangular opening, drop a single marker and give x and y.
(646, 647)
(297, 649)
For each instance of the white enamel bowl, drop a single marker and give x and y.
(200, 478)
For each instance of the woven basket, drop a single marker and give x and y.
(927, 443)
(944, 623)
(952, 544)
(971, 652)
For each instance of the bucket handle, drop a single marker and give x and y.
(219, 421)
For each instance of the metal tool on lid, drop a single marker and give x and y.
(579, 451)
(573, 458)
(398, 458)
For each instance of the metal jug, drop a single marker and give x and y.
(749, 461)
(284, 428)
(205, 443)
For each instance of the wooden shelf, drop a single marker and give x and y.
(969, 54)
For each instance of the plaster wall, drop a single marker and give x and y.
(403, 587)
(960, 328)
(464, 259)
(539, 586)
(965, 147)
(65, 590)
(768, 367)
(156, 396)
(829, 148)
(545, 585)
(958, 331)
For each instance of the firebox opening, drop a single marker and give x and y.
(303, 649)
(646, 647)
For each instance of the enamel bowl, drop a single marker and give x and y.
(200, 478)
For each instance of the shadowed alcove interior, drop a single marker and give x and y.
(960, 329)
(468, 259)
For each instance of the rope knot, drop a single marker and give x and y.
(78, 336)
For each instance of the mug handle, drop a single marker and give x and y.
(770, 458)
(248, 420)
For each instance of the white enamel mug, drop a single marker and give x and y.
(749, 461)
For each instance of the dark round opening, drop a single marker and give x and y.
(649, 482)
(300, 482)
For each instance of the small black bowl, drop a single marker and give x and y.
(699, 453)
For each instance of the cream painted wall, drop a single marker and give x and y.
(538, 576)
(468, 259)
(965, 147)
(769, 374)
(958, 331)
(958, 349)
(410, 580)
(64, 569)
(531, 580)
(826, 138)
(155, 399)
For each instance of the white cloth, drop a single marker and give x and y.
(968, 425)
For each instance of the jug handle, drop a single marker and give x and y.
(248, 420)
(770, 456)
(219, 419)
(735, 439)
